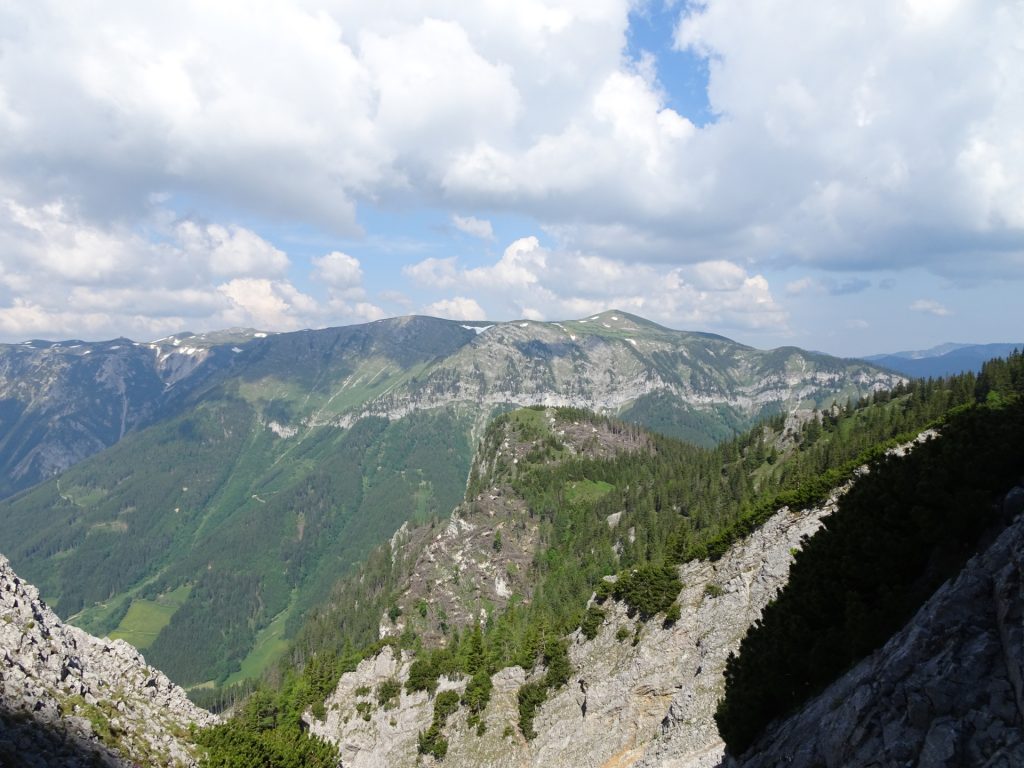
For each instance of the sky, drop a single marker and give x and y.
(845, 177)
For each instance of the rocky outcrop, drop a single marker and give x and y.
(68, 698)
(481, 559)
(947, 690)
(643, 694)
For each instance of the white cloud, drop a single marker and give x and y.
(473, 226)
(265, 303)
(531, 281)
(437, 273)
(801, 286)
(846, 137)
(65, 276)
(519, 266)
(231, 251)
(338, 270)
(456, 308)
(931, 307)
(342, 311)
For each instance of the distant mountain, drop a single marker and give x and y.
(248, 472)
(943, 360)
(63, 401)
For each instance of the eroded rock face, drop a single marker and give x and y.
(650, 703)
(947, 690)
(68, 698)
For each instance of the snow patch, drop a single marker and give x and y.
(632, 341)
(260, 335)
(236, 350)
(477, 329)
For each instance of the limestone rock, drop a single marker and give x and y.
(644, 704)
(68, 698)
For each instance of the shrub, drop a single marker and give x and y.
(591, 622)
(423, 674)
(477, 696)
(387, 692)
(649, 589)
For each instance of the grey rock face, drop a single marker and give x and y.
(947, 690)
(644, 704)
(68, 698)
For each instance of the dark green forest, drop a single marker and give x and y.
(683, 501)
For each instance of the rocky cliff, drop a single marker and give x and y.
(947, 690)
(642, 694)
(70, 699)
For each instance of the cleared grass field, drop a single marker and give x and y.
(270, 644)
(587, 491)
(146, 618)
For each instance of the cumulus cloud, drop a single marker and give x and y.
(931, 307)
(531, 281)
(265, 303)
(232, 251)
(66, 276)
(339, 271)
(433, 272)
(881, 136)
(456, 308)
(473, 226)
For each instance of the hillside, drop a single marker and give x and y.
(896, 537)
(278, 464)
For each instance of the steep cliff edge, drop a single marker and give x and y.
(68, 698)
(947, 690)
(641, 694)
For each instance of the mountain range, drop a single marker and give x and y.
(943, 360)
(234, 477)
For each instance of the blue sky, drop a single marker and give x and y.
(847, 178)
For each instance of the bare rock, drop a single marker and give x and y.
(68, 698)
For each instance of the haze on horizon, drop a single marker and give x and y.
(842, 178)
